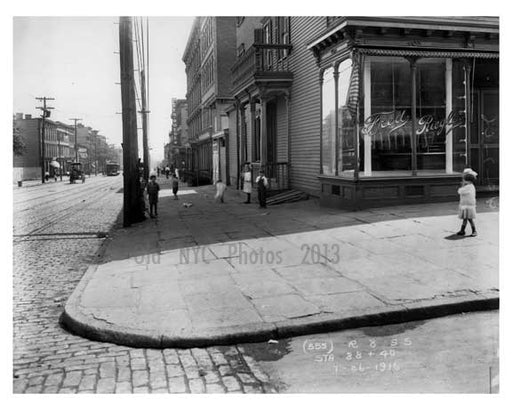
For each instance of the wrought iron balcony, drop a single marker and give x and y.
(260, 63)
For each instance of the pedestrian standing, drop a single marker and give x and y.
(247, 183)
(262, 183)
(158, 171)
(175, 185)
(153, 188)
(167, 171)
(467, 202)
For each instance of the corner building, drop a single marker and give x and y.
(405, 105)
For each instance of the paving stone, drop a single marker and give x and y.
(19, 385)
(174, 370)
(123, 388)
(196, 386)
(246, 378)
(231, 383)
(124, 374)
(108, 370)
(106, 386)
(214, 388)
(51, 390)
(65, 390)
(170, 356)
(284, 307)
(177, 385)
(140, 378)
(88, 382)
(72, 379)
(225, 370)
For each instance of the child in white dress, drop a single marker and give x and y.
(467, 202)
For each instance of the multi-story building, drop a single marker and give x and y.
(56, 147)
(208, 57)
(365, 111)
(181, 151)
(92, 148)
(261, 85)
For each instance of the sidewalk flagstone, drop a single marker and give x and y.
(222, 271)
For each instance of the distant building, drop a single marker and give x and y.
(57, 147)
(180, 150)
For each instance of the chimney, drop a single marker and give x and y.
(19, 116)
(28, 116)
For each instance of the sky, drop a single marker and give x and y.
(75, 61)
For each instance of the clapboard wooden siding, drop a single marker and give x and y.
(305, 105)
(282, 135)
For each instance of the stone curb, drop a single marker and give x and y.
(83, 325)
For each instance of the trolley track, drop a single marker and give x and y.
(43, 216)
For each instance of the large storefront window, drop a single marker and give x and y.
(455, 103)
(328, 123)
(456, 128)
(387, 112)
(431, 114)
(346, 128)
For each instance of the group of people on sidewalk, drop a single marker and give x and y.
(467, 194)
(261, 182)
(153, 188)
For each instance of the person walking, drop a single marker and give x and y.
(467, 202)
(153, 188)
(247, 183)
(262, 183)
(175, 182)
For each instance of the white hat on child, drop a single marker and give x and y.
(469, 171)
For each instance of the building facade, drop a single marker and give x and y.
(56, 147)
(209, 55)
(180, 150)
(92, 149)
(406, 105)
(260, 118)
(329, 105)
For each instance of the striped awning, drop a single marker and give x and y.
(427, 53)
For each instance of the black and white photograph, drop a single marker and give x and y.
(276, 204)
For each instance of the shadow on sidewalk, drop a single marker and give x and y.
(208, 222)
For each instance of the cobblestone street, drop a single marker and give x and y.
(58, 232)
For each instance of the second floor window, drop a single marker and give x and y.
(283, 33)
(267, 38)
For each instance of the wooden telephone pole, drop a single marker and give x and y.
(144, 112)
(133, 203)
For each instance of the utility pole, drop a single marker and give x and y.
(133, 204)
(144, 112)
(45, 113)
(76, 145)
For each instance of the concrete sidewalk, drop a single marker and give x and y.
(218, 273)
